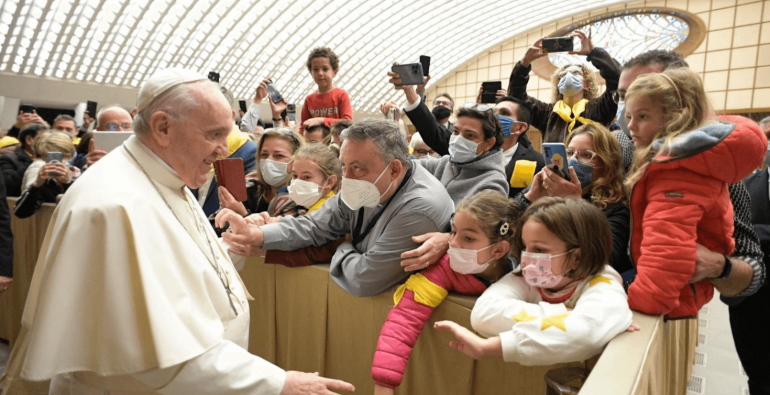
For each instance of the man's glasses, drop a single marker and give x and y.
(582, 155)
(285, 132)
(477, 107)
(425, 151)
(618, 96)
(116, 126)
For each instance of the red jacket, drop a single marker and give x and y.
(407, 318)
(680, 200)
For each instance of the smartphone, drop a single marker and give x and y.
(556, 159)
(393, 114)
(230, 175)
(242, 104)
(27, 108)
(214, 76)
(489, 91)
(425, 62)
(291, 112)
(53, 157)
(274, 94)
(557, 44)
(411, 74)
(91, 108)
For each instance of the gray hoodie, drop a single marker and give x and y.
(465, 179)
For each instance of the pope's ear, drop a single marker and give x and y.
(160, 125)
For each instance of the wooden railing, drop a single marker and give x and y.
(301, 320)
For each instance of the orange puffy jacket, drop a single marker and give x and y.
(680, 200)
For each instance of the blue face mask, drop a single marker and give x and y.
(461, 150)
(584, 171)
(506, 122)
(570, 85)
(621, 117)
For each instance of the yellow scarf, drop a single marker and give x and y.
(235, 140)
(562, 109)
(320, 202)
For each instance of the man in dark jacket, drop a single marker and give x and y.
(6, 241)
(14, 164)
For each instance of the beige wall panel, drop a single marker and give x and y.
(697, 62)
(746, 35)
(716, 81)
(720, 39)
(748, 14)
(761, 98)
(739, 99)
(741, 79)
(744, 57)
(718, 60)
(717, 100)
(763, 58)
(721, 19)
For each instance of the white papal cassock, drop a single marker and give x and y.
(126, 294)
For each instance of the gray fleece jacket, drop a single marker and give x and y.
(465, 179)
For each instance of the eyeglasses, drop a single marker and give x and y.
(573, 72)
(618, 96)
(285, 132)
(115, 126)
(425, 151)
(477, 107)
(582, 155)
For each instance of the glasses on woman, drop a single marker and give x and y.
(573, 72)
(583, 155)
(477, 107)
(285, 132)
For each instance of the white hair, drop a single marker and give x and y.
(112, 107)
(416, 139)
(176, 102)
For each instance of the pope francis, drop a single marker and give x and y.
(132, 292)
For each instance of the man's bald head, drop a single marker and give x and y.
(114, 119)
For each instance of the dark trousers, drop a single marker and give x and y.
(749, 322)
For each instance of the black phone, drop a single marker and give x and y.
(242, 104)
(91, 108)
(425, 62)
(411, 74)
(214, 76)
(489, 91)
(557, 44)
(27, 108)
(274, 94)
(291, 112)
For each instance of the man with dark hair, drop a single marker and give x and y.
(66, 123)
(516, 146)
(14, 164)
(738, 278)
(386, 199)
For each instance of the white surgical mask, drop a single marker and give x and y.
(273, 173)
(570, 85)
(362, 193)
(465, 261)
(462, 150)
(304, 193)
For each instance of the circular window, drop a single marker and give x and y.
(628, 33)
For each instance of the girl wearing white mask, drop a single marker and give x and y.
(315, 177)
(482, 233)
(266, 185)
(565, 303)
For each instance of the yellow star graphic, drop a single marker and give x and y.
(555, 320)
(600, 279)
(523, 317)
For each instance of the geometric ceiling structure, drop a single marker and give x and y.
(123, 42)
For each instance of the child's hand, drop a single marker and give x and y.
(380, 390)
(469, 343)
(633, 328)
(313, 122)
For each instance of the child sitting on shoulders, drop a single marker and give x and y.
(564, 305)
(328, 103)
(482, 233)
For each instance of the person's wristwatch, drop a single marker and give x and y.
(727, 269)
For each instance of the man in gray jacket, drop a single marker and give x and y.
(385, 200)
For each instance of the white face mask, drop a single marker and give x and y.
(462, 150)
(465, 261)
(304, 193)
(273, 173)
(362, 193)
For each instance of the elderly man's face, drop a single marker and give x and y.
(66, 126)
(116, 120)
(361, 161)
(195, 143)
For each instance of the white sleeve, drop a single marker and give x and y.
(225, 369)
(250, 118)
(538, 337)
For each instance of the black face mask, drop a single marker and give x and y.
(441, 112)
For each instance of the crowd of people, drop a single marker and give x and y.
(650, 217)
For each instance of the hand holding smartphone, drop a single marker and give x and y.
(53, 157)
(556, 159)
(489, 91)
(411, 74)
(275, 95)
(557, 44)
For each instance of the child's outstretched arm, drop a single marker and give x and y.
(544, 334)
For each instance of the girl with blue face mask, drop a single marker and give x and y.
(564, 304)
